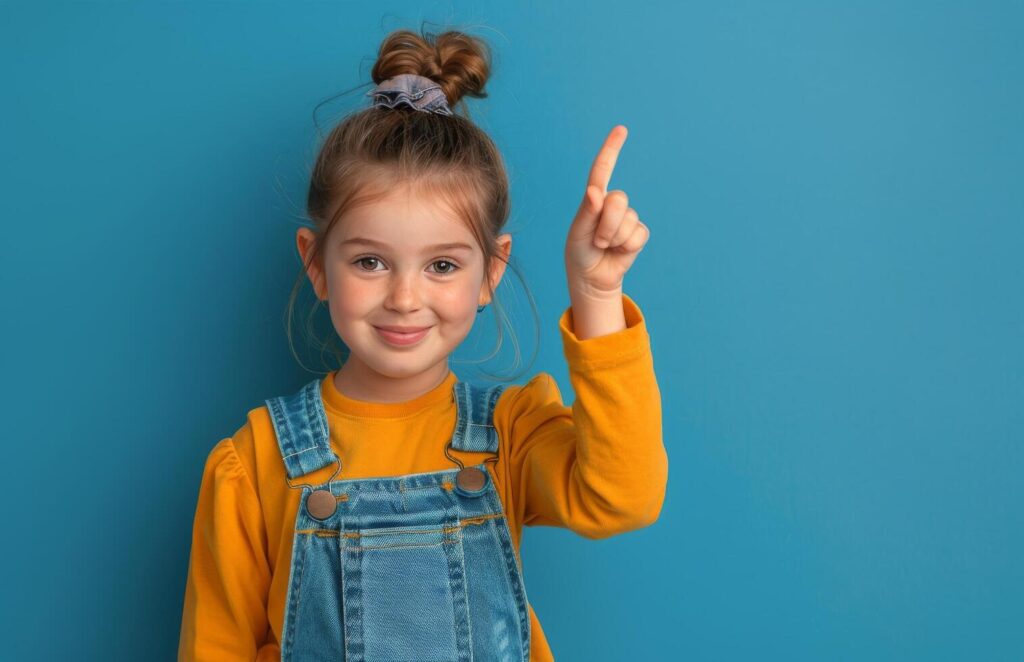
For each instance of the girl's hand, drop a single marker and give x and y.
(606, 235)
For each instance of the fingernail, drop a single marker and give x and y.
(602, 243)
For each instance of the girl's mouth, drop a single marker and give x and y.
(401, 339)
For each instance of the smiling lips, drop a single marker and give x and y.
(402, 335)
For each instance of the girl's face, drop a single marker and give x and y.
(402, 261)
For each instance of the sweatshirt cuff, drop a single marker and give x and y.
(610, 348)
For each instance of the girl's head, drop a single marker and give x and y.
(407, 208)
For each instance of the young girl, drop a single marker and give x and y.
(376, 513)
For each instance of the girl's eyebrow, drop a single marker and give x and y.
(436, 247)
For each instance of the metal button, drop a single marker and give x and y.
(321, 504)
(470, 479)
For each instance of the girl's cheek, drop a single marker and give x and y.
(355, 298)
(448, 297)
(350, 285)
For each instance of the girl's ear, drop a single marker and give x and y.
(497, 267)
(305, 238)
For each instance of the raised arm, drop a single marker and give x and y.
(599, 467)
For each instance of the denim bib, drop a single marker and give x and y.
(418, 567)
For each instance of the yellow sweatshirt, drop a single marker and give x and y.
(598, 468)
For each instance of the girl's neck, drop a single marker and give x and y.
(358, 381)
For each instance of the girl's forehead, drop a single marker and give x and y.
(404, 216)
(403, 204)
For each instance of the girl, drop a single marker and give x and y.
(376, 513)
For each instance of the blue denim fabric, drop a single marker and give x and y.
(412, 90)
(408, 568)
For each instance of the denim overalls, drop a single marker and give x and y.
(413, 568)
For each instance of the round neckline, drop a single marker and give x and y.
(343, 404)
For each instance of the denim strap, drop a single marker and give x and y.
(301, 427)
(474, 429)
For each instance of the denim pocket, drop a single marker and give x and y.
(406, 587)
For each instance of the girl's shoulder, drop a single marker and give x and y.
(515, 398)
(249, 451)
(522, 407)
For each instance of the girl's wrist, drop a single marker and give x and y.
(595, 313)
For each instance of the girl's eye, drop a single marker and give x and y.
(450, 267)
(451, 264)
(364, 259)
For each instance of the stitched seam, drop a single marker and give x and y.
(437, 544)
(428, 487)
(319, 415)
(371, 534)
(480, 519)
(238, 460)
(304, 450)
(290, 634)
(469, 521)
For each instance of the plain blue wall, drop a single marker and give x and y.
(833, 287)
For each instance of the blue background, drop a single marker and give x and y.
(833, 287)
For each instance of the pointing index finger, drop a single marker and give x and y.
(604, 163)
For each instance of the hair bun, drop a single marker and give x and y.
(458, 62)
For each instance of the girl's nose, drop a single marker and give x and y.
(403, 293)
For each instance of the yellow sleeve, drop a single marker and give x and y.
(225, 611)
(598, 468)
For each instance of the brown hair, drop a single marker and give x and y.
(371, 151)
